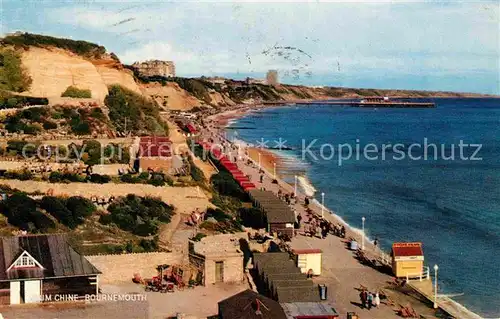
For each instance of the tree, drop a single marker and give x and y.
(57, 208)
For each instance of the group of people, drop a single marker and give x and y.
(369, 300)
(290, 199)
(101, 200)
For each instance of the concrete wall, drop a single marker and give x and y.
(233, 269)
(121, 268)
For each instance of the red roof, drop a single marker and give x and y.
(155, 146)
(191, 128)
(407, 249)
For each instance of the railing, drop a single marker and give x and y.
(424, 275)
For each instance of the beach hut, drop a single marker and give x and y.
(407, 260)
(308, 260)
(280, 217)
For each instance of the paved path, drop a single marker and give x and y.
(342, 273)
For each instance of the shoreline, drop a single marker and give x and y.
(315, 205)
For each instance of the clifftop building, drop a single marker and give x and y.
(272, 77)
(155, 68)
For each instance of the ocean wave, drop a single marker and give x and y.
(306, 186)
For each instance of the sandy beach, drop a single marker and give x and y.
(347, 273)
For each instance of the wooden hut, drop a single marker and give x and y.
(280, 218)
(407, 260)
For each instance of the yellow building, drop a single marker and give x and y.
(407, 260)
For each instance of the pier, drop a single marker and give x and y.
(425, 288)
(368, 102)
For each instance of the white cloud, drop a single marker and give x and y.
(399, 37)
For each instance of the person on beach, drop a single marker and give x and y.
(306, 201)
(299, 219)
(375, 242)
(261, 178)
(369, 300)
(376, 300)
(363, 297)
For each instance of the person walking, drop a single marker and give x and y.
(363, 296)
(369, 300)
(376, 300)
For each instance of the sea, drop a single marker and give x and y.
(436, 180)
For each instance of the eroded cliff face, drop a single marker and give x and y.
(170, 96)
(53, 70)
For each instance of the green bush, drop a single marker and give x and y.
(218, 214)
(83, 48)
(23, 175)
(139, 215)
(49, 125)
(72, 91)
(65, 177)
(57, 207)
(9, 100)
(252, 217)
(13, 76)
(100, 179)
(21, 211)
(131, 112)
(225, 184)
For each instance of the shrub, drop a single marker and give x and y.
(13, 76)
(81, 207)
(218, 214)
(225, 184)
(100, 179)
(83, 48)
(196, 173)
(140, 215)
(49, 125)
(129, 111)
(23, 175)
(57, 208)
(21, 211)
(72, 91)
(252, 217)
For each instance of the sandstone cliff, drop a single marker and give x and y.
(53, 70)
(55, 64)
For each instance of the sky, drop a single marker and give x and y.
(428, 45)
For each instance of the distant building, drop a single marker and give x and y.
(155, 68)
(37, 268)
(272, 77)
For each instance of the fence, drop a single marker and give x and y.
(424, 275)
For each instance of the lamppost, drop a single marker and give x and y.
(274, 170)
(295, 186)
(435, 285)
(259, 162)
(363, 233)
(322, 203)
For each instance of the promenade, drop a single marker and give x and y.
(342, 272)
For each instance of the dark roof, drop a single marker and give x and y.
(53, 252)
(276, 210)
(407, 249)
(309, 309)
(284, 279)
(244, 306)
